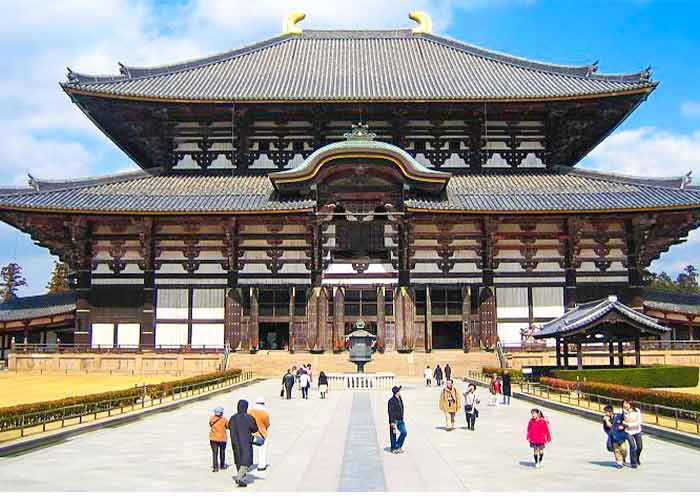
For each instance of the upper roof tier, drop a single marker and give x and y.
(346, 66)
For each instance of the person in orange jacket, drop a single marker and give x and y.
(217, 439)
(262, 419)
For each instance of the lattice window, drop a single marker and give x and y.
(361, 303)
(446, 301)
(274, 302)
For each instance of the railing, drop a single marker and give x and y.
(17, 426)
(649, 345)
(86, 348)
(502, 359)
(361, 381)
(687, 421)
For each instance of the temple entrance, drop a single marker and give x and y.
(447, 335)
(274, 335)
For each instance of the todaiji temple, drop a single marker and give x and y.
(291, 187)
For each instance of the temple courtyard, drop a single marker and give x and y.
(341, 444)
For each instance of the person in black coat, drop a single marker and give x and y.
(448, 372)
(288, 383)
(506, 388)
(396, 420)
(242, 427)
(438, 375)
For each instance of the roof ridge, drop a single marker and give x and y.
(39, 186)
(585, 71)
(131, 73)
(656, 182)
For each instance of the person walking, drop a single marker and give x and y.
(428, 375)
(397, 426)
(450, 404)
(242, 427)
(304, 383)
(506, 388)
(448, 372)
(311, 375)
(438, 375)
(633, 426)
(538, 435)
(617, 437)
(288, 383)
(494, 389)
(470, 402)
(322, 385)
(262, 420)
(217, 439)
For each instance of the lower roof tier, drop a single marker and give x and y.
(562, 190)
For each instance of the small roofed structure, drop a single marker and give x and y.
(602, 321)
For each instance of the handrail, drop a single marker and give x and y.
(679, 419)
(646, 345)
(502, 359)
(42, 418)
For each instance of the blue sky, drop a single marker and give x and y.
(41, 132)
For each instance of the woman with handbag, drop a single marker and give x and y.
(470, 402)
(450, 404)
(262, 420)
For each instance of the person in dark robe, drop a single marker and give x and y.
(288, 383)
(438, 375)
(506, 388)
(448, 372)
(242, 427)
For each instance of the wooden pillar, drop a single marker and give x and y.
(566, 353)
(405, 318)
(579, 355)
(404, 250)
(338, 319)
(146, 230)
(487, 316)
(81, 263)
(233, 331)
(611, 351)
(637, 352)
(620, 354)
(381, 318)
(690, 331)
(25, 336)
(570, 263)
(558, 341)
(292, 303)
(467, 330)
(636, 229)
(254, 326)
(317, 318)
(428, 321)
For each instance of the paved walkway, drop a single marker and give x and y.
(341, 443)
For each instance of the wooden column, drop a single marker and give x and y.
(467, 331)
(254, 325)
(620, 354)
(570, 263)
(233, 318)
(146, 231)
(233, 332)
(690, 331)
(81, 255)
(579, 355)
(338, 319)
(636, 230)
(292, 303)
(558, 341)
(637, 352)
(487, 316)
(566, 353)
(405, 318)
(404, 250)
(317, 318)
(611, 351)
(381, 319)
(428, 321)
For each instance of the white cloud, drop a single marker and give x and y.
(648, 151)
(690, 108)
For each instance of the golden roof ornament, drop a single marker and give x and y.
(289, 26)
(425, 22)
(360, 132)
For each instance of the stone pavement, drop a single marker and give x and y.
(341, 443)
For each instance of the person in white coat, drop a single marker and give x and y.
(428, 374)
(305, 383)
(262, 419)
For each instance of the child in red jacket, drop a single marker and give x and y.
(538, 435)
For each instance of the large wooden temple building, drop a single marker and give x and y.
(291, 187)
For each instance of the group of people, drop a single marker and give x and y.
(248, 428)
(302, 377)
(438, 374)
(500, 389)
(624, 428)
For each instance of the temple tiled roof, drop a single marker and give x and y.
(359, 66)
(34, 307)
(563, 190)
(687, 304)
(588, 313)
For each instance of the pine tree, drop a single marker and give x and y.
(10, 280)
(59, 282)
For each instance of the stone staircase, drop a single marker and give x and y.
(275, 363)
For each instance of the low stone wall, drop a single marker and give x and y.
(115, 363)
(661, 357)
(263, 363)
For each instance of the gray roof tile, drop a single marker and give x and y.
(359, 66)
(34, 307)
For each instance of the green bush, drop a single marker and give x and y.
(516, 375)
(49, 411)
(644, 377)
(667, 398)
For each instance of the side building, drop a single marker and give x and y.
(294, 186)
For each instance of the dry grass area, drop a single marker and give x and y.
(16, 389)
